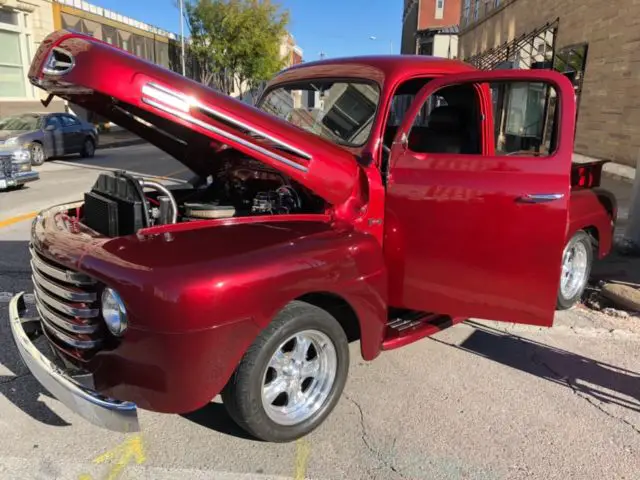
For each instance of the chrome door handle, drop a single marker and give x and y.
(540, 197)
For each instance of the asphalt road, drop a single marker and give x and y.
(479, 401)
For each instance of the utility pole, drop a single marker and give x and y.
(632, 232)
(182, 37)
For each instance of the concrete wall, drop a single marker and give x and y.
(609, 115)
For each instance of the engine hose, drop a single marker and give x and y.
(165, 190)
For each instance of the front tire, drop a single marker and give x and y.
(291, 377)
(88, 148)
(577, 260)
(38, 156)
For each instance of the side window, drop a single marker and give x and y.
(449, 122)
(54, 121)
(69, 121)
(520, 115)
(524, 118)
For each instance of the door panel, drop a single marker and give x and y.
(479, 235)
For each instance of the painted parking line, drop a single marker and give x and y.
(17, 219)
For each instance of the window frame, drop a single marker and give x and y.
(25, 44)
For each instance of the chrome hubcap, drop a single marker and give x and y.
(574, 269)
(37, 153)
(299, 377)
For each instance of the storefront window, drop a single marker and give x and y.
(11, 69)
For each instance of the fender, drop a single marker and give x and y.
(594, 210)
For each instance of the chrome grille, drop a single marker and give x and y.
(5, 167)
(67, 302)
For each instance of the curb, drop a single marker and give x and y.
(124, 143)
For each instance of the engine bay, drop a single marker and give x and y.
(121, 204)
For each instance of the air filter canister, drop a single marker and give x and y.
(208, 210)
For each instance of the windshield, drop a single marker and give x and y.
(341, 111)
(20, 122)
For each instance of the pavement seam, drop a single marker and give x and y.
(14, 378)
(577, 392)
(364, 436)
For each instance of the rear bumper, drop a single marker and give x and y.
(99, 410)
(18, 179)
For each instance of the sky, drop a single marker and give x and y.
(338, 28)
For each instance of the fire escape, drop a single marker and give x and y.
(530, 50)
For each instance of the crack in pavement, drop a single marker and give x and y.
(14, 378)
(582, 395)
(365, 440)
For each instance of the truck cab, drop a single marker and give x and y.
(371, 199)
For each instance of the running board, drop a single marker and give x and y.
(414, 326)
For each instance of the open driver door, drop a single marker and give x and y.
(477, 206)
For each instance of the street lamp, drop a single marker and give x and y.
(373, 37)
(182, 36)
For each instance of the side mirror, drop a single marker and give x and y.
(49, 128)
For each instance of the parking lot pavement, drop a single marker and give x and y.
(478, 401)
(474, 402)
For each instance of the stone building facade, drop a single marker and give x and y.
(23, 26)
(597, 44)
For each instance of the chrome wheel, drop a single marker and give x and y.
(37, 154)
(575, 264)
(299, 377)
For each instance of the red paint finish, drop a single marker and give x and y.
(461, 240)
(445, 234)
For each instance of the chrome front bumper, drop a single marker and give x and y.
(107, 413)
(19, 178)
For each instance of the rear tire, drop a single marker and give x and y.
(577, 260)
(304, 351)
(38, 156)
(88, 148)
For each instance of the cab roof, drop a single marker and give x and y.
(380, 68)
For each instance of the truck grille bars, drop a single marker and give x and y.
(68, 303)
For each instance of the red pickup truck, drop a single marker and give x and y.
(379, 199)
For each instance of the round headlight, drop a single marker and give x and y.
(114, 312)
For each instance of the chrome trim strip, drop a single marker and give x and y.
(63, 307)
(59, 274)
(89, 404)
(196, 103)
(71, 341)
(234, 138)
(59, 290)
(48, 315)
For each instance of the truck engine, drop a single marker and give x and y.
(120, 204)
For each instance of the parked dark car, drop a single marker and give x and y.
(48, 135)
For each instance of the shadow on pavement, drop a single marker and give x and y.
(589, 378)
(22, 389)
(215, 417)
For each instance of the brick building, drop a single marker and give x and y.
(595, 43)
(430, 27)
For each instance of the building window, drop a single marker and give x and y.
(496, 3)
(476, 9)
(439, 9)
(15, 54)
(466, 10)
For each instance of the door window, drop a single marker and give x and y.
(54, 121)
(69, 121)
(521, 120)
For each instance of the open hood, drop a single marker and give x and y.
(184, 118)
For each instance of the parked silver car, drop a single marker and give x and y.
(48, 135)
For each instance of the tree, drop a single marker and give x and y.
(235, 43)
